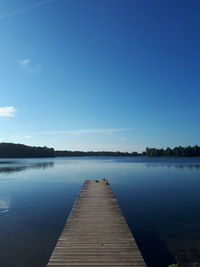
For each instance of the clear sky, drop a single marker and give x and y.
(100, 74)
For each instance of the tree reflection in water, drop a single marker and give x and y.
(40, 165)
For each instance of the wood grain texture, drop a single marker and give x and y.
(96, 232)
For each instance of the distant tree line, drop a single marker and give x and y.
(179, 151)
(69, 153)
(10, 150)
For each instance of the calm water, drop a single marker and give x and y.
(159, 197)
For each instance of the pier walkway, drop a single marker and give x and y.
(96, 232)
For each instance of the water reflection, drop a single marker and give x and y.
(4, 205)
(162, 213)
(40, 165)
(7, 162)
(179, 166)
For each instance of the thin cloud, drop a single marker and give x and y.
(7, 111)
(26, 64)
(18, 137)
(97, 131)
(25, 9)
(27, 136)
(85, 131)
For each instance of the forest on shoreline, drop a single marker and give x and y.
(179, 151)
(12, 150)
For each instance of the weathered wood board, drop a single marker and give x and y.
(96, 232)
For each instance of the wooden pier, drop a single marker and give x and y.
(96, 232)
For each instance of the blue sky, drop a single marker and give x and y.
(100, 75)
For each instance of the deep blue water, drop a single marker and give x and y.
(159, 197)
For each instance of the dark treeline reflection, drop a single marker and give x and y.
(179, 166)
(41, 165)
(7, 162)
(180, 151)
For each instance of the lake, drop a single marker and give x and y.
(160, 198)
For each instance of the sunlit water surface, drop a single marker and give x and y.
(160, 199)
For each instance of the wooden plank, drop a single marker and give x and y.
(96, 232)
